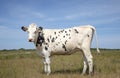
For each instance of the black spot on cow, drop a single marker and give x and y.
(63, 36)
(53, 39)
(88, 35)
(65, 41)
(69, 30)
(69, 37)
(55, 33)
(50, 37)
(64, 47)
(76, 31)
(61, 31)
(46, 48)
(65, 31)
(46, 43)
(66, 34)
(48, 40)
(56, 37)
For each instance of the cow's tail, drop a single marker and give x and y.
(98, 51)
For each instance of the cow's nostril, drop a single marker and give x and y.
(30, 40)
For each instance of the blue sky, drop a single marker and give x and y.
(103, 14)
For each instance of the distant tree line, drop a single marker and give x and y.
(23, 49)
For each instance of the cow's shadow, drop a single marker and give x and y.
(67, 71)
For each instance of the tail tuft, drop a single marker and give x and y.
(98, 51)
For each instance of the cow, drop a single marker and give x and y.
(50, 42)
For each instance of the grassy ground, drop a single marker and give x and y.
(27, 64)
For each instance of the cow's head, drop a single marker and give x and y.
(32, 31)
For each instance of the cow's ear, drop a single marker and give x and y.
(24, 28)
(40, 28)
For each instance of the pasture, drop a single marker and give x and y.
(27, 64)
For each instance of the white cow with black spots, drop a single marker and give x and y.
(62, 41)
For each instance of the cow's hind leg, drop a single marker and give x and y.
(88, 60)
(85, 66)
(90, 64)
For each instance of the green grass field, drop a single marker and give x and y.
(27, 64)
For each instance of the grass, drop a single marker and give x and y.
(27, 64)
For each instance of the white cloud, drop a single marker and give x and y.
(105, 20)
(71, 17)
(26, 13)
(38, 15)
(51, 19)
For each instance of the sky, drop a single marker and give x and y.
(104, 15)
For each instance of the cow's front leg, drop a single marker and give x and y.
(45, 65)
(48, 65)
(47, 68)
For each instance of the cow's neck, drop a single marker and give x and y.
(36, 37)
(39, 40)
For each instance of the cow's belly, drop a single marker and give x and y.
(60, 51)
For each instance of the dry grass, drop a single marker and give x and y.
(27, 64)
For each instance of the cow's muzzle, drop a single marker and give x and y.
(30, 40)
